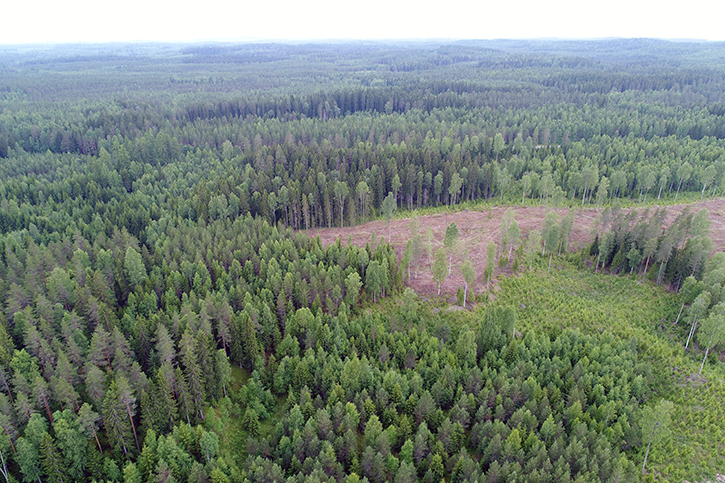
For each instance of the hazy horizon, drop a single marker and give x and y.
(323, 20)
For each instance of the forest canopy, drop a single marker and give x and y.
(166, 316)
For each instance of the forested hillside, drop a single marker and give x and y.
(166, 316)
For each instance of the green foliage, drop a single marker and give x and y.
(147, 252)
(439, 268)
(655, 423)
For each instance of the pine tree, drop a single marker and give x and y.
(127, 398)
(88, 423)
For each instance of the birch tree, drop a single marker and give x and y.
(532, 246)
(439, 268)
(655, 423)
(683, 174)
(697, 309)
(469, 276)
(449, 241)
(712, 331)
(389, 209)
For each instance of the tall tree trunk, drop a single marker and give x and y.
(678, 190)
(133, 426)
(692, 331)
(551, 254)
(95, 435)
(645, 268)
(646, 455)
(659, 273)
(678, 315)
(47, 409)
(703, 361)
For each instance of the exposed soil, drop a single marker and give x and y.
(477, 228)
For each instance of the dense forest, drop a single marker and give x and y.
(166, 317)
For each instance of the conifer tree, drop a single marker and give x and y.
(193, 373)
(116, 420)
(53, 465)
(88, 423)
(251, 350)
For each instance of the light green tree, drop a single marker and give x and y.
(655, 423)
(438, 187)
(712, 330)
(455, 188)
(551, 237)
(602, 191)
(134, 267)
(362, 190)
(650, 180)
(273, 203)
(341, 192)
(565, 227)
(513, 236)
(374, 278)
(396, 185)
(209, 445)
(469, 276)
(449, 241)
(698, 308)
(533, 243)
(503, 178)
(429, 244)
(498, 144)
(353, 284)
(491, 250)
(683, 174)
(664, 179)
(439, 268)
(706, 178)
(526, 182)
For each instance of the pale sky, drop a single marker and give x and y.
(166, 20)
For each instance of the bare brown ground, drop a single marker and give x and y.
(476, 229)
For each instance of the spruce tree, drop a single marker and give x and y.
(116, 421)
(53, 465)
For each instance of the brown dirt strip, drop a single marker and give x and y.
(476, 229)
